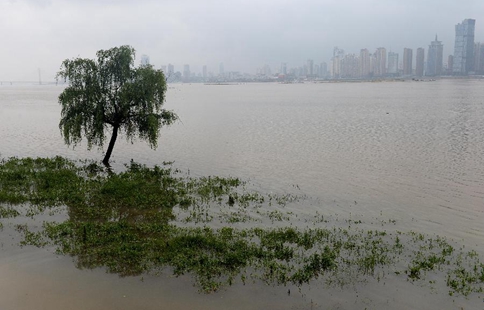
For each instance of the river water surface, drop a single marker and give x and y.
(410, 152)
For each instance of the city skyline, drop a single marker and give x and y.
(469, 60)
(243, 35)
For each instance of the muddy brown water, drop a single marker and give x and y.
(411, 152)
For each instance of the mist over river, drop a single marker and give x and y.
(409, 152)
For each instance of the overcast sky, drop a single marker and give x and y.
(243, 34)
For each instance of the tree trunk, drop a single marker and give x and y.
(114, 136)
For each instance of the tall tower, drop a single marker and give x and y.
(171, 70)
(323, 69)
(283, 68)
(420, 61)
(464, 47)
(204, 72)
(381, 62)
(186, 73)
(310, 71)
(479, 58)
(434, 58)
(145, 60)
(450, 64)
(364, 63)
(407, 61)
(392, 63)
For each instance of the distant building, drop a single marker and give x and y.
(264, 71)
(434, 58)
(336, 62)
(479, 58)
(186, 73)
(310, 67)
(392, 63)
(450, 64)
(145, 60)
(373, 64)
(464, 47)
(407, 61)
(349, 67)
(364, 63)
(283, 68)
(381, 62)
(204, 72)
(323, 70)
(171, 70)
(420, 62)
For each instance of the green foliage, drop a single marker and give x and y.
(125, 222)
(110, 91)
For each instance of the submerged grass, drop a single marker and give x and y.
(144, 219)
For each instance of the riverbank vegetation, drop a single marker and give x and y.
(149, 220)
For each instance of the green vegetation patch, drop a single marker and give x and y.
(144, 220)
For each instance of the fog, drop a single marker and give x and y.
(38, 34)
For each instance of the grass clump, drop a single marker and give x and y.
(143, 220)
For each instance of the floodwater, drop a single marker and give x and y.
(410, 152)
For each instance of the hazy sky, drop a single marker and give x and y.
(243, 34)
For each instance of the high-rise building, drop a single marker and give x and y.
(186, 72)
(204, 72)
(464, 47)
(145, 60)
(373, 64)
(364, 63)
(407, 61)
(392, 63)
(420, 62)
(283, 68)
(171, 70)
(381, 62)
(310, 67)
(479, 58)
(349, 66)
(450, 64)
(316, 70)
(323, 70)
(336, 65)
(434, 58)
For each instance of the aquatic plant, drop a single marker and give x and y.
(144, 220)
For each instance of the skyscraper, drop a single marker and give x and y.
(186, 73)
(450, 64)
(283, 68)
(145, 60)
(381, 62)
(392, 63)
(204, 72)
(407, 61)
(323, 69)
(171, 70)
(464, 47)
(336, 66)
(349, 66)
(434, 58)
(364, 63)
(310, 65)
(420, 61)
(479, 58)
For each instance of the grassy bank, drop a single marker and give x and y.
(146, 220)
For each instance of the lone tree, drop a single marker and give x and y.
(112, 93)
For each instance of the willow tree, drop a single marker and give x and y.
(111, 95)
